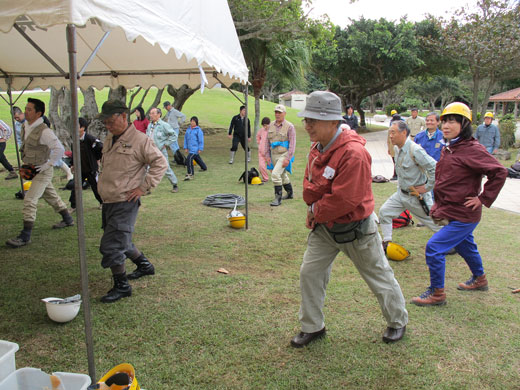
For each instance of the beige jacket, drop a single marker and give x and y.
(124, 165)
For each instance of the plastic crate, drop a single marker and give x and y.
(7, 361)
(29, 378)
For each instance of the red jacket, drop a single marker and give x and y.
(340, 186)
(458, 175)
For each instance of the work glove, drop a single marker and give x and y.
(28, 171)
(43, 167)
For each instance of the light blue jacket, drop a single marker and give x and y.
(194, 140)
(488, 136)
(161, 133)
(175, 118)
(416, 170)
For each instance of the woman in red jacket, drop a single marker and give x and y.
(141, 123)
(458, 202)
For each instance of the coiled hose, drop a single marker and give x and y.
(225, 201)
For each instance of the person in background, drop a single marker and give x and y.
(488, 134)
(337, 189)
(350, 118)
(279, 154)
(415, 123)
(162, 135)
(431, 138)
(141, 122)
(261, 135)
(19, 118)
(395, 117)
(5, 134)
(132, 166)
(90, 150)
(42, 149)
(193, 145)
(458, 203)
(237, 132)
(174, 118)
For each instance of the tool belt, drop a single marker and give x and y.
(343, 233)
(280, 149)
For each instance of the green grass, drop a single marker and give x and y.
(191, 327)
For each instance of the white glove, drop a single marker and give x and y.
(43, 167)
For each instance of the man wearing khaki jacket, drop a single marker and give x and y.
(124, 179)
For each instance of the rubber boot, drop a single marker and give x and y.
(66, 222)
(231, 157)
(120, 290)
(431, 297)
(288, 188)
(277, 196)
(249, 156)
(67, 171)
(144, 267)
(23, 238)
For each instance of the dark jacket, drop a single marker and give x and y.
(459, 174)
(352, 121)
(237, 125)
(90, 148)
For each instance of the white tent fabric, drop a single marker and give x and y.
(155, 42)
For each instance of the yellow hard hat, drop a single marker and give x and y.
(489, 115)
(194, 162)
(396, 252)
(27, 185)
(237, 222)
(457, 108)
(256, 180)
(127, 369)
(393, 112)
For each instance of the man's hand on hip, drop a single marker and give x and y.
(134, 195)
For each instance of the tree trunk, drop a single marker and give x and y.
(181, 95)
(118, 93)
(373, 104)
(487, 94)
(60, 115)
(90, 110)
(475, 108)
(133, 94)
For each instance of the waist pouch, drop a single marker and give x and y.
(344, 233)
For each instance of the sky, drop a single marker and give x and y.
(340, 11)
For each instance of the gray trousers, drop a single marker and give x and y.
(368, 257)
(399, 202)
(118, 220)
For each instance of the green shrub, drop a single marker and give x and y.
(507, 126)
(394, 106)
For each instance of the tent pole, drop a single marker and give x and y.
(11, 105)
(80, 222)
(246, 178)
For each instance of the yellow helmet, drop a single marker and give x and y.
(396, 252)
(489, 115)
(393, 112)
(256, 180)
(237, 222)
(124, 368)
(27, 185)
(457, 108)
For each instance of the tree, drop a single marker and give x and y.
(267, 28)
(486, 41)
(371, 56)
(435, 88)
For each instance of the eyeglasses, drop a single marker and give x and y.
(309, 121)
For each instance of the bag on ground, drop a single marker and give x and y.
(252, 173)
(179, 158)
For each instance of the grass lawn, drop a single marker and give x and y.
(191, 327)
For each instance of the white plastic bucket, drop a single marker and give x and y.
(7, 360)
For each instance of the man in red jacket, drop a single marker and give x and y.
(337, 188)
(458, 203)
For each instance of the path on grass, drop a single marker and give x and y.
(509, 198)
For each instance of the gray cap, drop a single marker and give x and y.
(322, 105)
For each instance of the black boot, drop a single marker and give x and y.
(288, 188)
(120, 290)
(23, 238)
(65, 222)
(144, 267)
(277, 196)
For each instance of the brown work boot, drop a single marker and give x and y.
(474, 283)
(431, 297)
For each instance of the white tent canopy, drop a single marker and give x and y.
(154, 42)
(115, 42)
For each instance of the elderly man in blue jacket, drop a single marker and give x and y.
(162, 135)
